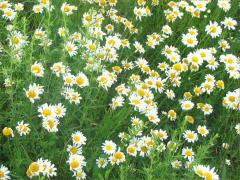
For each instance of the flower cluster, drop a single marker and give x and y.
(50, 115)
(42, 167)
(76, 160)
(153, 73)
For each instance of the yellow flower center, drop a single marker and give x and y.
(74, 164)
(36, 69)
(202, 131)
(131, 149)
(47, 112)
(108, 147)
(32, 94)
(188, 153)
(76, 138)
(231, 98)
(15, 40)
(1, 174)
(92, 47)
(213, 29)
(34, 167)
(73, 150)
(67, 8)
(118, 155)
(80, 80)
(50, 123)
(190, 40)
(8, 13)
(190, 136)
(208, 176)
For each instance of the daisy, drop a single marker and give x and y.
(33, 92)
(201, 5)
(117, 158)
(210, 174)
(162, 134)
(187, 105)
(38, 9)
(81, 80)
(48, 169)
(8, 82)
(37, 69)
(132, 150)
(16, 39)
(189, 119)
(62, 31)
(76, 162)
(212, 63)
(34, 169)
(189, 40)
(195, 58)
(170, 94)
(71, 48)
(40, 34)
(109, 147)
(163, 66)
(67, 8)
(113, 41)
(190, 136)
(74, 149)
(136, 122)
(213, 29)
(59, 68)
(107, 79)
(23, 128)
(172, 115)
(109, 28)
(224, 44)
(167, 30)
(60, 110)
(139, 13)
(69, 79)
(80, 174)
(224, 4)
(74, 97)
(188, 153)
(174, 57)
(78, 138)
(4, 5)
(117, 102)
(76, 36)
(202, 130)
(92, 46)
(19, 7)
(127, 65)
(9, 14)
(176, 164)
(4, 173)
(207, 109)
(220, 84)
(101, 162)
(45, 3)
(138, 47)
(229, 23)
(207, 87)
(199, 170)
(46, 111)
(152, 116)
(50, 124)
